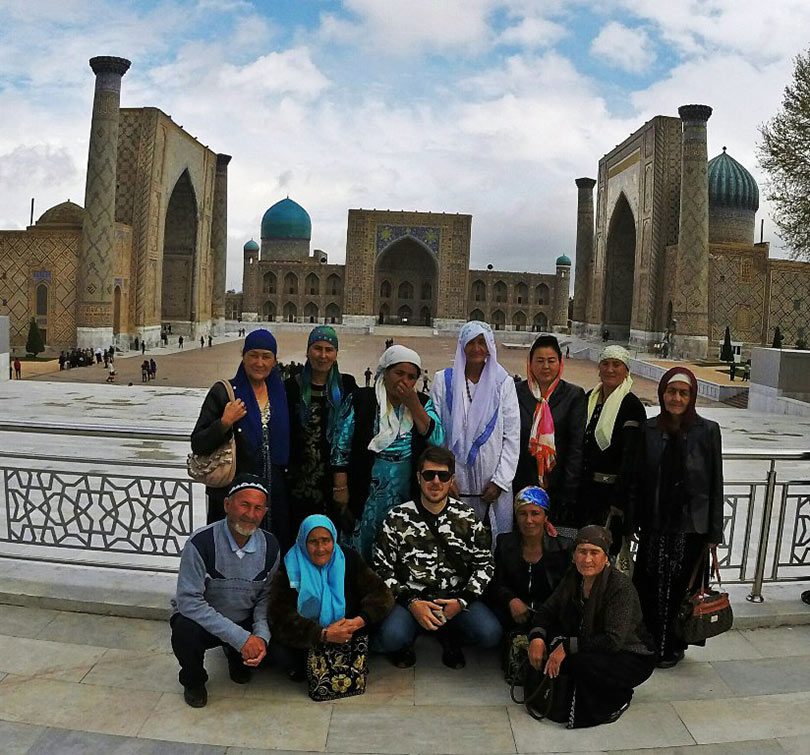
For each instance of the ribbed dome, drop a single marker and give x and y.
(64, 215)
(731, 185)
(250, 246)
(564, 259)
(286, 220)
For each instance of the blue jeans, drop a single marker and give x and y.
(476, 626)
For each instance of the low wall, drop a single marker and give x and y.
(780, 381)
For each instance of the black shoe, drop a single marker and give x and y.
(404, 658)
(453, 657)
(616, 715)
(670, 661)
(239, 673)
(806, 596)
(196, 697)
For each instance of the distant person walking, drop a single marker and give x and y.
(143, 347)
(368, 373)
(202, 342)
(17, 369)
(144, 370)
(152, 369)
(210, 341)
(180, 341)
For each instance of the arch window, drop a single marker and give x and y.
(542, 293)
(521, 293)
(333, 313)
(477, 314)
(498, 320)
(269, 283)
(42, 300)
(290, 312)
(291, 284)
(499, 289)
(333, 285)
(479, 291)
(405, 290)
(385, 290)
(269, 311)
(540, 323)
(519, 320)
(385, 314)
(405, 314)
(311, 312)
(313, 284)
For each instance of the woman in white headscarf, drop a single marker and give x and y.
(381, 431)
(612, 431)
(477, 402)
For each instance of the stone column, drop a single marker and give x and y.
(94, 294)
(584, 248)
(562, 292)
(690, 304)
(219, 244)
(251, 282)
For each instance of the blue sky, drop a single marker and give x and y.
(489, 107)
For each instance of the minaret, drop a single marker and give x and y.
(562, 292)
(250, 282)
(690, 304)
(94, 291)
(584, 248)
(219, 243)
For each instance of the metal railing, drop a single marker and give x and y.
(138, 514)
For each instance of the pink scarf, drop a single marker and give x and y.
(541, 436)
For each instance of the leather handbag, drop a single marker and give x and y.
(543, 696)
(336, 671)
(704, 613)
(215, 470)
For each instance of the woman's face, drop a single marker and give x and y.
(545, 365)
(476, 351)
(676, 397)
(612, 373)
(401, 373)
(259, 363)
(531, 520)
(320, 546)
(589, 559)
(322, 355)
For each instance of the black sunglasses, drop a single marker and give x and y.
(428, 475)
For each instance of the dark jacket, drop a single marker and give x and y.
(609, 622)
(568, 408)
(366, 596)
(364, 401)
(702, 475)
(515, 578)
(617, 459)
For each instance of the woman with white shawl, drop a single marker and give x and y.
(477, 403)
(612, 431)
(381, 431)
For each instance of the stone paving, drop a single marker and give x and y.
(76, 683)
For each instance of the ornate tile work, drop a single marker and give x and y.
(430, 236)
(789, 305)
(733, 301)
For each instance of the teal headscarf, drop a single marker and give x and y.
(321, 589)
(334, 382)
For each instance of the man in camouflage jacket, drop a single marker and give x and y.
(435, 557)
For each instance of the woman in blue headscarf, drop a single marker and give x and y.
(314, 397)
(323, 593)
(259, 418)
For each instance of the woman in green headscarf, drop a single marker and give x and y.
(313, 397)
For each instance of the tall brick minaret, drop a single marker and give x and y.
(584, 248)
(219, 242)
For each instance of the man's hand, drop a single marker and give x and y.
(234, 411)
(537, 651)
(519, 611)
(491, 492)
(253, 651)
(554, 661)
(451, 606)
(422, 611)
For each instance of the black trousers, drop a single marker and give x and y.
(189, 643)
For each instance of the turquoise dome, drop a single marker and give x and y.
(251, 246)
(286, 220)
(731, 185)
(564, 259)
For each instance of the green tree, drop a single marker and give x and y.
(34, 345)
(784, 154)
(726, 352)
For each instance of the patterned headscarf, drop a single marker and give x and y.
(541, 436)
(391, 425)
(468, 429)
(334, 382)
(533, 495)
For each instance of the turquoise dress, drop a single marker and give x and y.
(390, 476)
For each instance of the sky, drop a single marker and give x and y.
(486, 107)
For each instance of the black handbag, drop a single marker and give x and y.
(704, 613)
(543, 696)
(335, 671)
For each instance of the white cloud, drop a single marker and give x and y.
(533, 31)
(624, 48)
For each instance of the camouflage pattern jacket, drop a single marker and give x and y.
(414, 565)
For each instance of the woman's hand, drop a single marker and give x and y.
(555, 661)
(537, 651)
(234, 411)
(342, 631)
(519, 610)
(407, 395)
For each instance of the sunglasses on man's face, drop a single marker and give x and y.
(428, 475)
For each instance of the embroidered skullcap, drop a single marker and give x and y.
(323, 333)
(249, 482)
(614, 351)
(260, 339)
(532, 495)
(593, 534)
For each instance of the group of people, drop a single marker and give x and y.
(85, 357)
(148, 370)
(484, 509)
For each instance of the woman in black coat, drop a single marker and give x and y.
(590, 633)
(259, 420)
(676, 506)
(552, 426)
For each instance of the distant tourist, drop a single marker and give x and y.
(143, 347)
(179, 341)
(202, 342)
(260, 418)
(732, 371)
(314, 398)
(17, 369)
(210, 341)
(368, 373)
(476, 401)
(223, 587)
(676, 506)
(111, 373)
(152, 369)
(145, 370)
(63, 359)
